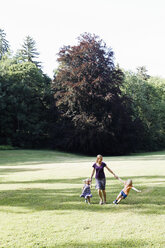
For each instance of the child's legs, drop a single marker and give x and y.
(119, 196)
(120, 199)
(89, 199)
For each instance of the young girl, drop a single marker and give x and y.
(86, 192)
(125, 191)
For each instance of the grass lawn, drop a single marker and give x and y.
(40, 204)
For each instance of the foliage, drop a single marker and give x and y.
(4, 44)
(142, 73)
(7, 147)
(96, 108)
(93, 116)
(148, 104)
(24, 104)
(28, 52)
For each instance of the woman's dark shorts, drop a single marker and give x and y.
(100, 183)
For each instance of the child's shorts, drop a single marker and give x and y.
(123, 194)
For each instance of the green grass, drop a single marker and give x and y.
(40, 204)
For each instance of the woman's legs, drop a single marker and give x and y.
(100, 185)
(100, 195)
(104, 195)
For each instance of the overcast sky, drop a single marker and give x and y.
(134, 29)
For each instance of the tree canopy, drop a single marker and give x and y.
(148, 104)
(24, 104)
(91, 106)
(92, 112)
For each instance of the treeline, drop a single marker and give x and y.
(90, 106)
(26, 100)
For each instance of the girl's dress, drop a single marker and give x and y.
(86, 192)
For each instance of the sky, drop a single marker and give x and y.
(134, 29)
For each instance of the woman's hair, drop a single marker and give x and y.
(129, 182)
(98, 156)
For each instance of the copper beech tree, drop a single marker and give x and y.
(93, 117)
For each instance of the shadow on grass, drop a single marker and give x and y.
(150, 201)
(137, 179)
(122, 243)
(9, 171)
(18, 157)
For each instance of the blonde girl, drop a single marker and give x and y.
(125, 191)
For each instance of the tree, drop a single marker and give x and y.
(4, 44)
(25, 104)
(29, 51)
(148, 104)
(142, 73)
(93, 117)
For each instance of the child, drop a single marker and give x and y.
(86, 192)
(125, 191)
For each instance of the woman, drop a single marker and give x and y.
(98, 167)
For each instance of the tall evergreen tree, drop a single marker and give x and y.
(28, 52)
(93, 117)
(4, 44)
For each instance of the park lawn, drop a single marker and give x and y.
(40, 204)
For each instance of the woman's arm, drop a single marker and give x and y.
(114, 174)
(121, 180)
(92, 173)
